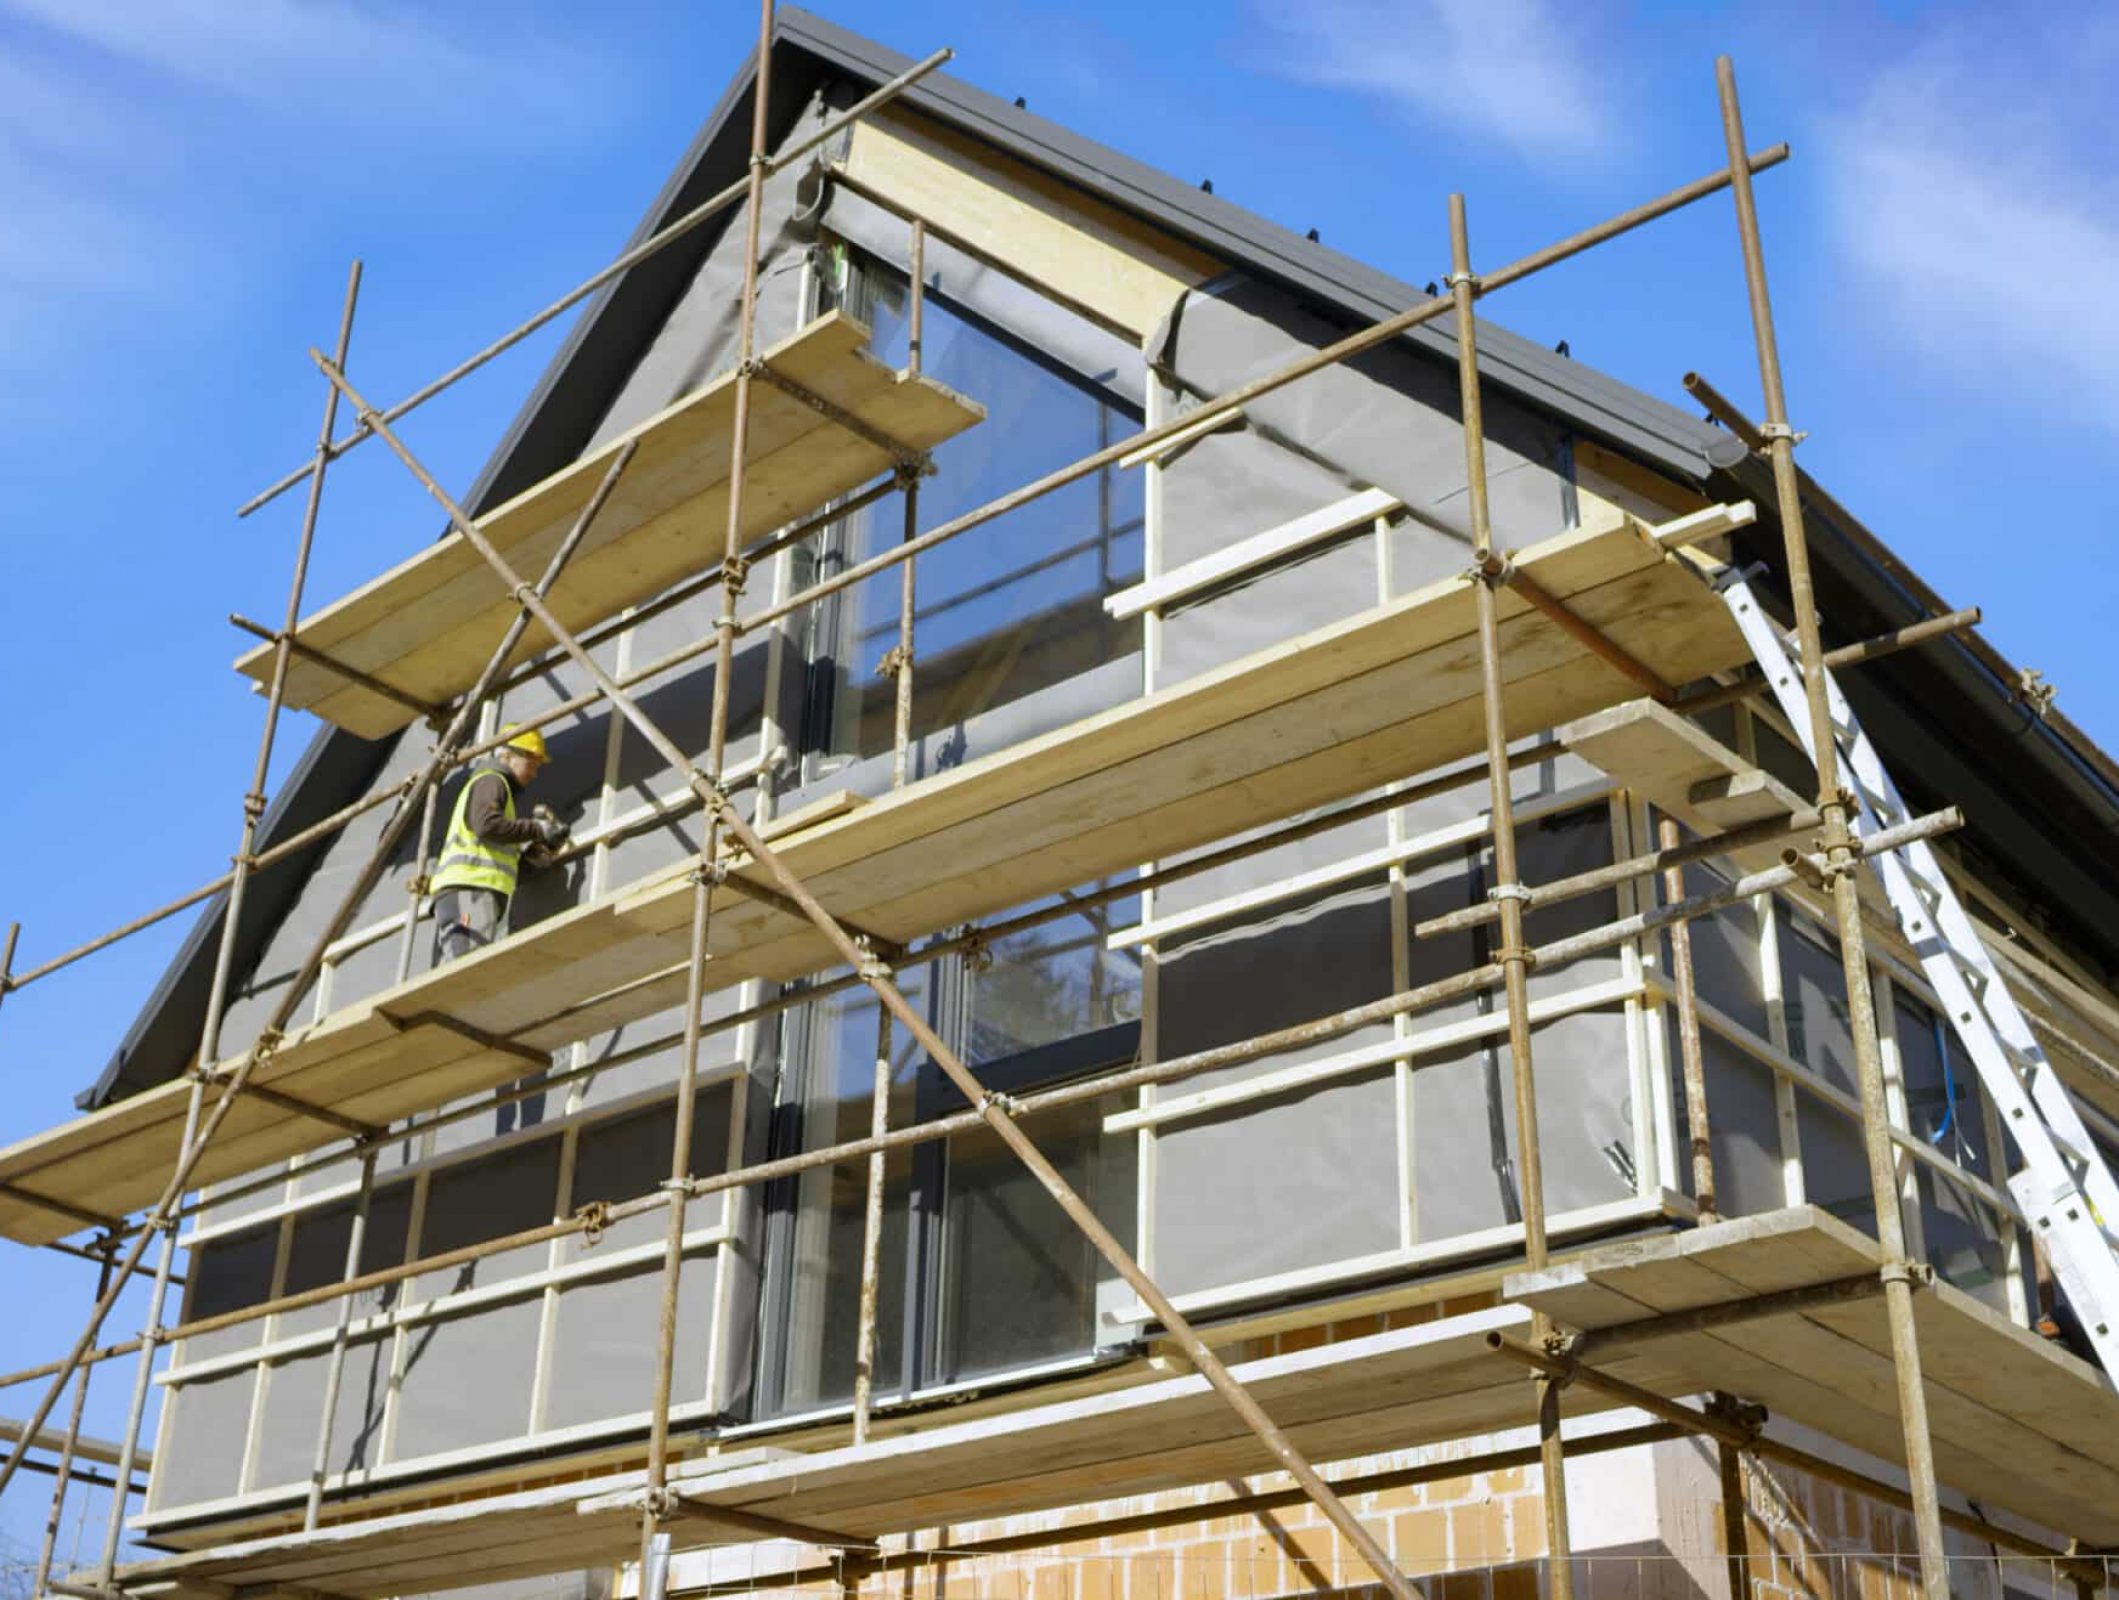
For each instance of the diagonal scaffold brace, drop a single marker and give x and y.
(200, 1129)
(991, 1110)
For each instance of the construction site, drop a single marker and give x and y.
(1204, 930)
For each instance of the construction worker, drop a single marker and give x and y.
(483, 851)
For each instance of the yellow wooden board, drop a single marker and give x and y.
(1388, 693)
(2016, 1422)
(1128, 274)
(1680, 768)
(428, 625)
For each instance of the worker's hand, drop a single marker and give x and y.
(551, 832)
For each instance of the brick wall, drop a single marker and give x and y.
(1646, 1525)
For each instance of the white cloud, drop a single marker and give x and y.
(370, 66)
(1971, 192)
(141, 146)
(1524, 72)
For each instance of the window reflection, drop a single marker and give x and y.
(822, 1261)
(1055, 981)
(1005, 609)
(1019, 1280)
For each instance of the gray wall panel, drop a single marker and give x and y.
(1309, 1182)
(224, 1275)
(1743, 1124)
(317, 1256)
(467, 1380)
(201, 1457)
(604, 1343)
(468, 1204)
(1318, 589)
(629, 1156)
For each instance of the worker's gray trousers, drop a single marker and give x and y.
(466, 920)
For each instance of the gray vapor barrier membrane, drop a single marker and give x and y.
(1308, 1177)
(467, 1379)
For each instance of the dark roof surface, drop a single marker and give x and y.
(1952, 709)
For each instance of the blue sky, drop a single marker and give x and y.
(184, 183)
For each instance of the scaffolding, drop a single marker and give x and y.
(742, 864)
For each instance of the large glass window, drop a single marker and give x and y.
(1005, 610)
(817, 1226)
(980, 1271)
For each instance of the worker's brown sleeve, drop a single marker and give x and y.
(485, 814)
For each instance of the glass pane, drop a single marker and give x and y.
(819, 1300)
(1009, 607)
(1019, 1279)
(1835, 1166)
(1551, 848)
(1964, 1240)
(1818, 1030)
(1725, 952)
(1056, 981)
(1743, 1124)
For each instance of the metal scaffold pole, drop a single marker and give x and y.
(1489, 573)
(63, 1478)
(705, 875)
(198, 1133)
(163, 1219)
(335, 1369)
(790, 894)
(1699, 1131)
(1842, 868)
(897, 664)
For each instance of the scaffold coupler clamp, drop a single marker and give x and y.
(895, 660)
(977, 951)
(1743, 1415)
(996, 1100)
(1495, 570)
(595, 1220)
(1565, 1348)
(254, 805)
(708, 874)
(1914, 1274)
(1466, 277)
(1518, 892)
(1770, 431)
(261, 1052)
(874, 965)
(717, 797)
(907, 471)
(2036, 693)
(1809, 865)
(735, 573)
(661, 1504)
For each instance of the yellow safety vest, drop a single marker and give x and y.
(469, 862)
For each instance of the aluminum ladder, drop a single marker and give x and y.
(2064, 1188)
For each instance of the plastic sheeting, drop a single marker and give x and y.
(1388, 418)
(1307, 1177)
(991, 295)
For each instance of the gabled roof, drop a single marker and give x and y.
(1938, 708)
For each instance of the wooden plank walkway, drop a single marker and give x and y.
(1406, 1386)
(427, 626)
(1388, 693)
(2017, 1423)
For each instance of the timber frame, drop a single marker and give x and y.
(1562, 632)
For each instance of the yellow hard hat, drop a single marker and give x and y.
(530, 742)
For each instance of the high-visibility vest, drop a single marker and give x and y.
(469, 862)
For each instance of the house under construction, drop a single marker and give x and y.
(1226, 935)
